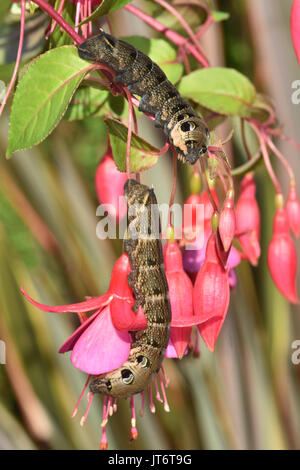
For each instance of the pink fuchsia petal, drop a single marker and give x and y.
(232, 278)
(69, 344)
(91, 304)
(171, 351)
(295, 27)
(234, 258)
(101, 347)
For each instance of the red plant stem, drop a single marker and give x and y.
(173, 191)
(161, 152)
(18, 59)
(169, 33)
(281, 158)
(209, 19)
(182, 21)
(44, 5)
(266, 158)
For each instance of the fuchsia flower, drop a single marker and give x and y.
(211, 294)
(109, 182)
(282, 257)
(102, 342)
(293, 211)
(295, 27)
(248, 220)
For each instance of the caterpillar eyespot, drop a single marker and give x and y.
(127, 376)
(159, 97)
(149, 285)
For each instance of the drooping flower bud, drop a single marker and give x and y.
(293, 211)
(211, 295)
(248, 219)
(109, 183)
(227, 221)
(181, 297)
(282, 257)
(295, 27)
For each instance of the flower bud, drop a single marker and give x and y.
(227, 221)
(282, 257)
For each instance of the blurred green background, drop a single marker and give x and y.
(246, 395)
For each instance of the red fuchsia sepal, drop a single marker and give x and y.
(282, 257)
(227, 221)
(295, 27)
(248, 220)
(293, 211)
(109, 182)
(211, 294)
(181, 297)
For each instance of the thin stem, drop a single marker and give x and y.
(16, 68)
(282, 159)
(245, 140)
(209, 18)
(267, 159)
(240, 170)
(44, 5)
(185, 25)
(206, 185)
(168, 33)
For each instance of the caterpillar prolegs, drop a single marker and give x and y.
(184, 128)
(149, 284)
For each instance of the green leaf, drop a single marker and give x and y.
(42, 96)
(225, 91)
(139, 161)
(86, 102)
(161, 52)
(107, 6)
(220, 15)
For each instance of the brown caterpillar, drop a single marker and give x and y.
(149, 284)
(135, 70)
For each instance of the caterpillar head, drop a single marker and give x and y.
(129, 379)
(190, 138)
